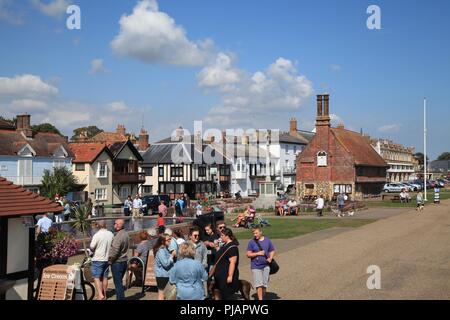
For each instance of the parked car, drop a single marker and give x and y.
(150, 204)
(392, 187)
(412, 186)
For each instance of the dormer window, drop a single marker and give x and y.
(321, 159)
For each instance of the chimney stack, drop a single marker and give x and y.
(143, 140)
(179, 133)
(24, 125)
(121, 129)
(323, 110)
(293, 126)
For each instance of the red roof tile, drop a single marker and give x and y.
(359, 147)
(16, 201)
(86, 152)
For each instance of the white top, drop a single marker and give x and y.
(180, 241)
(137, 203)
(320, 203)
(292, 203)
(45, 223)
(100, 244)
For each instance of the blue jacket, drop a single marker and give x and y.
(163, 263)
(188, 275)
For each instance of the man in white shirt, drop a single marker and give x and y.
(100, 245)
(44, 224)
(320, 203)
(292, 204)
(137, 206)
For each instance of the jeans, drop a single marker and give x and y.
(118, 271)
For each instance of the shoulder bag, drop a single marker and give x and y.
(274, 267)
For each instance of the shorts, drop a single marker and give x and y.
(161, 282)
(100, 269)
(261, 277)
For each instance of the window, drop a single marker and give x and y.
(102, 171)
(148, 171)
(295, 149)
(59, 164)
(100, 194)
(224, 171)
(125, 192)
(176, 171)
(179, 188)
(342, 188)
(79, 166)
(161, 172)
(147, 189)
(3, 168)
(321, 159)
(202, 171)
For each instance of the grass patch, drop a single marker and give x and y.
(289, 228)
(444, 195)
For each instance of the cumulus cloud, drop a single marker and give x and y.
(54, 8)
(26, 85)
(97, 66)
(153, 36)
(390, 128)
(220, 73)
(279, 88)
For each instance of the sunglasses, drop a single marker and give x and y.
(195, 235)
(222, 227)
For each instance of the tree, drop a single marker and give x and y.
(419, 156)
(81, 223)
(45, 127)
(61, 181)
(89, 131)
(444, 156)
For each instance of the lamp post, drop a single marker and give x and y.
(425, 148)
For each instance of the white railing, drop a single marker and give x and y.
(240, 175)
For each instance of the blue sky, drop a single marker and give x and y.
(229, 63)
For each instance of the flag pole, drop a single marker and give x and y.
(425, 147)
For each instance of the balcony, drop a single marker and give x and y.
(289, 170)
(124, 177)
(240, 175)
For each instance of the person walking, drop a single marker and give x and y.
(201, 252)
(101, 245)
(226, 268)
(127, 206)
(162, 264)
(419, 201)
(261, 252)
(188, 274)
(44, 224)
(340, 200)
(320, 203)
(137, 206)
(162, 208)
(118, 257)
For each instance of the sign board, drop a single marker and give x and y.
(57, 283)
(150, 279)
(28, 221)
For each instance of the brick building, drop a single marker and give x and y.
(338, 160)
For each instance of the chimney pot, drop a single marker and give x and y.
(24, 125)
(143, 140)
(293, 126)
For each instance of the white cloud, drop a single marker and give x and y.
(335, 119)
(54, 8)
(390, 128)
(28, 106)
(220, 73)
(153, 36)
(26, 85)
(335, 67)
(280, 88)
(10, 15)
(97, 66)
(118, 106)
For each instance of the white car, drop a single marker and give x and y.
(393, 187)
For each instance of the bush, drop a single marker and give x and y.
(55, 247)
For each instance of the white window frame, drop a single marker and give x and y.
(321, 163)
(125, 195)
(99, 167)
(148, 186)
(3, 167)
(105, 194)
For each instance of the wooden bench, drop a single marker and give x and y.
(149, 276)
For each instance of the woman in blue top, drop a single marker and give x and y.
(188, 274)
(163, 263)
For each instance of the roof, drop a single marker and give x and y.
(116, 147)
(286, 137)
(6, 125)
(359, 147)
(87, 152)
(166, 153)
(109, 137)
(43, 143)
(16, 201)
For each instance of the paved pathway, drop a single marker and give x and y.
(412, 250)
